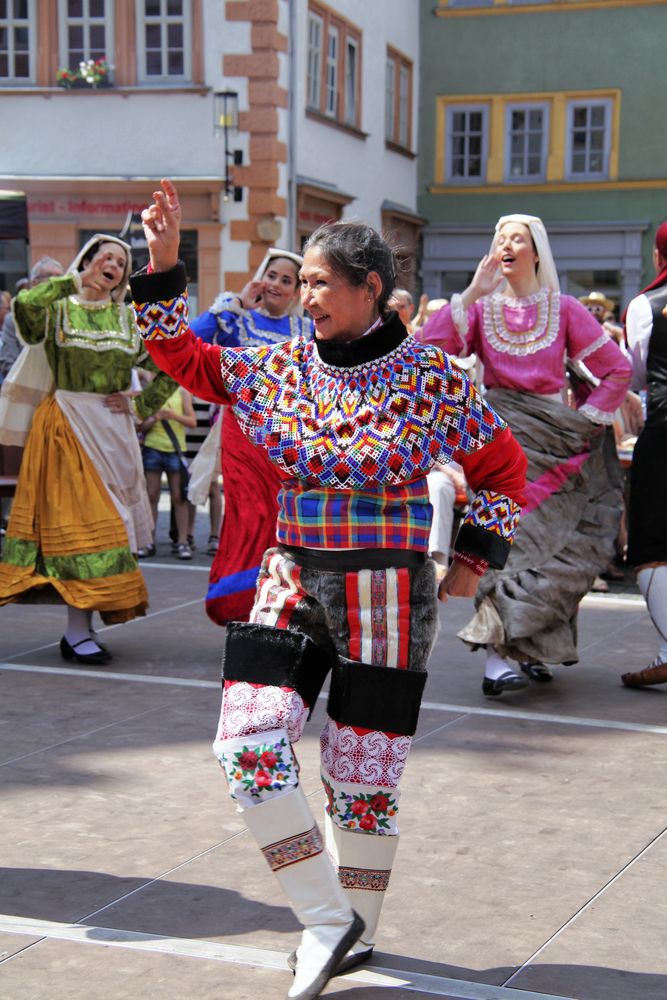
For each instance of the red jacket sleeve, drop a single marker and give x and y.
(160, 302)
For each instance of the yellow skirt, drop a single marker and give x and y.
(65, 533)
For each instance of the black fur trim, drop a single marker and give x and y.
(262, 654)
(381, 341)
(482, 543)
(158, 286)
(373, 697)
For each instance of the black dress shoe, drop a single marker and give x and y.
(346, 964)
(509, 681)
(537, 672)
(69, 652)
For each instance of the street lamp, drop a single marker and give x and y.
(225, 121)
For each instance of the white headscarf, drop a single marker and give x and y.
(274, 253)
(118, 294)
(547, 275)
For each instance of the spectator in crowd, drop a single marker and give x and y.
(403, 303)
(163, 451)
(10, 347)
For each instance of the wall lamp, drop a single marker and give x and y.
(226, 121)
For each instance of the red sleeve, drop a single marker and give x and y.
(194, 364)
(499, 466)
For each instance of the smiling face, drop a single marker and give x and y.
(514, 251)
(111, 260)
(340, 310)
(281, 286)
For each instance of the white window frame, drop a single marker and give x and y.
(390, 84)
(404, 75)
(315, 43)
(351, 90)
(589, 103)
(86, 21)
(30, 25)
(332, 57)
(164, 20)
(451, 110)
(526, 106)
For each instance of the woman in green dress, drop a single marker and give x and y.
(81, 511)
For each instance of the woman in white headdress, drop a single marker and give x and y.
(268, 311)
(533, 343)
(81, 511)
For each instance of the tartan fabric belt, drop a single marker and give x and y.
(351, 560)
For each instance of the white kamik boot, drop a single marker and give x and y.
(288, 836)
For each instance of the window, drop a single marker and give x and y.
(526, 130)
(85, 31)
(315, 35)
(334, 67)
(17, 40)
(331, 76)
(588, 139)
(466, 143)
(398, 100)
(351, 82)
(163, 40)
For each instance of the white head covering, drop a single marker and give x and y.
(547, 275)
(296, 309)
(118, 294)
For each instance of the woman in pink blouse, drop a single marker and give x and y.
(528, 337)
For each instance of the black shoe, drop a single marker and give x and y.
(537, 672)
(346, 964)
(93, 659)
(146, 552)
(509, 681)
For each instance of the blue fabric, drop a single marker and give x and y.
(160, 461)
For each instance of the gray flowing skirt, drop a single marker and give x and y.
(566, 535)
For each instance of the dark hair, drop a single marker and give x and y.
(353, 250)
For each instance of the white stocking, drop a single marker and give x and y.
(78, 630)
(653, 586)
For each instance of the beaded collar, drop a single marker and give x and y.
(540, 335)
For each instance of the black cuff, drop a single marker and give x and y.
(158, 286)
(484, 544)
(380, 698)
(263, 654)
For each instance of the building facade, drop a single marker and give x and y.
(270, 116)
(546, 108)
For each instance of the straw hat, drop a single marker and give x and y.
(597, 299)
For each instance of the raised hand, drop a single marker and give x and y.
(487, 277)
(162, 226)
(91, 275)
(252, 294)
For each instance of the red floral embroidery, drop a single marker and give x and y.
(248, 760)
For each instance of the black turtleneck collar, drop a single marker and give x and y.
(374, 345)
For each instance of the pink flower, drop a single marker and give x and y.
(262, 779)
(268, 759)
(359, 807)
(368, 822)
(248, 760)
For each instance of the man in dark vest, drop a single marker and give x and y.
(646, 335)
